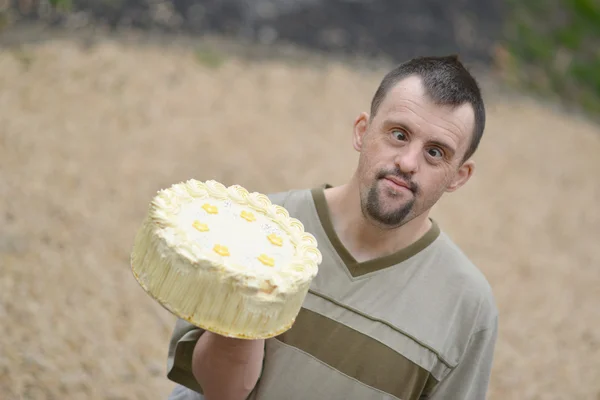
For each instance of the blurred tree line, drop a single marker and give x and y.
(551, 47)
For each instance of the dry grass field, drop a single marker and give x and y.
(89, 134)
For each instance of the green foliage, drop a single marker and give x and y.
(4, 20)
(555, 49)
(208, 57)
(63, 5)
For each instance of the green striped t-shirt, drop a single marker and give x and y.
(418, 324)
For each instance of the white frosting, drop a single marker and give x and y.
(245, 240)
(225, 259)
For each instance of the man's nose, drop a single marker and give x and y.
(407, 160)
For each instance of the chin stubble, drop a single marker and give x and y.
(372, 205)
(394, 218)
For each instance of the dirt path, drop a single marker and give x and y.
(88, 136)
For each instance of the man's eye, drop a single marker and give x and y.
(435, 152)
(398, 134)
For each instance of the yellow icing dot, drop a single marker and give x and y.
(200, 226)
(276, 240)
(209, 208)
(221, 250)
(266, 260)
(248, 216)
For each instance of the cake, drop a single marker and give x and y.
(224, 259)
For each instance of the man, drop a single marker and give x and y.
(397, 311)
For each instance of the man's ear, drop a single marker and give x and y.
(361, 124)
(465, 171)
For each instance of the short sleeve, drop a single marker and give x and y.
(278, 198)
(469, 380)
(181, 349)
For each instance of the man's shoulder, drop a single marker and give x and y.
(464, 276)
(287, 198)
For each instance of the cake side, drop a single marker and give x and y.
(205, 299)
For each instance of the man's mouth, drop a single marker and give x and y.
(399, 182)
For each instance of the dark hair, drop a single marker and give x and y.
(446, 81)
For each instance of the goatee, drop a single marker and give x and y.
(372, 204)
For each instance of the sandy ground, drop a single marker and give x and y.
(87, 136)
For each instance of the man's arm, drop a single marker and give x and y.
(213, 365)
(469, 380)
(227, 368)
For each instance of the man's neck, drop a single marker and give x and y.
(362, 238)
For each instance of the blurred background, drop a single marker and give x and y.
(104, 102)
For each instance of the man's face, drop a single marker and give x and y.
(411, 152)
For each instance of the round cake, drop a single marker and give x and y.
(224, 259)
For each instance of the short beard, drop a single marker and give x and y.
(371, 206)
